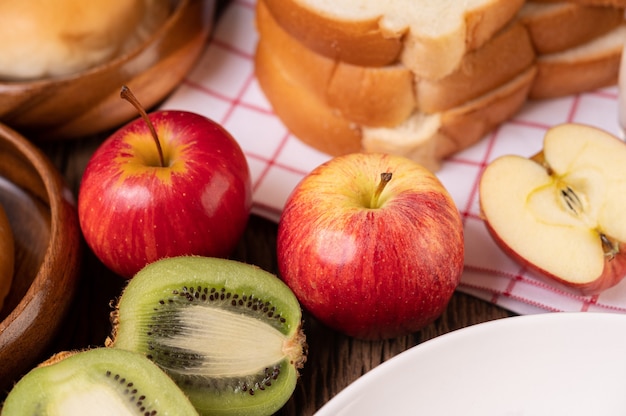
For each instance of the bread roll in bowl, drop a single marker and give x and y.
(88, 102)
(47, 38)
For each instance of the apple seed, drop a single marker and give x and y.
(572, 200)
(575, 206)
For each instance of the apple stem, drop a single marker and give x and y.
(385, 177)
(128, 95)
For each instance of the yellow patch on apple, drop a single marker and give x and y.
(561, 212)
(144, 156)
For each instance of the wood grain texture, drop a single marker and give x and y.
(47, 254)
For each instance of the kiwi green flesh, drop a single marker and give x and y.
(228, 333)
(97, 381)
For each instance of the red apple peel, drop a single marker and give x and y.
(134, 208)
(372, 256)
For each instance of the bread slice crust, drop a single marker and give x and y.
(380, 96)
(427, 139)
(587, 67)
(555, 27)
(430, 38)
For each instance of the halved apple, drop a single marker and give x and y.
(562, 212)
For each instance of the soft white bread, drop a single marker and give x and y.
(302, 112)
(555, 27)
(503, 57)
(612, 3)
(592, 65)
(426, 139)
(42, 38)
(385, 96)
(428, 37)
(7, 256)
(380, 96)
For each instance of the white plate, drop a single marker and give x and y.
(546, 364)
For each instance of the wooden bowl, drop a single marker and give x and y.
(88, 102)
(44, 222)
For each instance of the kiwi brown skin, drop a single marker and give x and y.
(228, 333)
(107, 380)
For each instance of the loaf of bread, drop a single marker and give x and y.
(45, 38)
(385, 96)
(425, 138)
(387, 77)
(7, 256)
(339, 107)
(428, 37)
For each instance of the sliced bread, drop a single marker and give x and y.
(555, 27)
(431, 138)
(426, 139)
(507, 54)
(612, 3)
(592, 65)
(385, 96)
(302, 112)
(428, 37)
(380, 96)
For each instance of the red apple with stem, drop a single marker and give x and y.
(167, 184)
(372, 245)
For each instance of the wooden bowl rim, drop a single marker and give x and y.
(56, 193)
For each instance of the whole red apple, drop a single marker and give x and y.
(134, 208)
(372, 245)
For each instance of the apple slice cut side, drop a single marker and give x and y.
(561, 212)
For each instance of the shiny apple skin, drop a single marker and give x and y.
(133, 212)
(371, 273)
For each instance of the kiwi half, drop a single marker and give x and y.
(228, 333)
(97, 381)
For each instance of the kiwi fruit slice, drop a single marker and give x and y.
(97, 381)
(228, 333)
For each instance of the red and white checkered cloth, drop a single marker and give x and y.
(222, 86)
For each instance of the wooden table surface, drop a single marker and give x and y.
(334, 360)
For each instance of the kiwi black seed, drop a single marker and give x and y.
(228, 333)
(97, 381)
